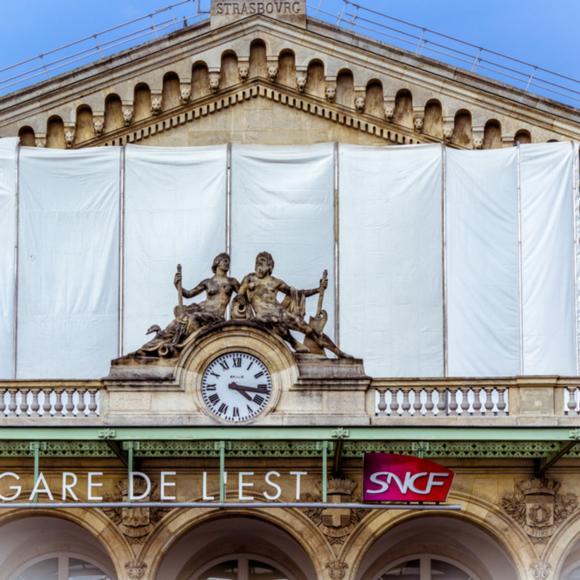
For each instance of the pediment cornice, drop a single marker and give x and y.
(336, 49)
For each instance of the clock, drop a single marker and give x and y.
(236, 387)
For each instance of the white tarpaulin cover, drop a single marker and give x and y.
(549, 315)
(7, 254)
(391, 293)
(68, 262)
(482, 263)
(282, 202)
(175, 211)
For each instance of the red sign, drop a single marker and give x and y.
(401, 478)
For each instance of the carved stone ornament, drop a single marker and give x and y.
(156, 103)
(184, 92)
(336, 524)
(243, 71)
(541, 570)
(272, 72)
(418, 124)
(134, 523)
(135, 570)
(301, 80)
(330, 93)
(359, 103)
(539, 508)
(40, 140)
(98, 123)
(256, 301)
(389, 111)
(337, 569)
(214, 81)
(127, 114)
(69, 136)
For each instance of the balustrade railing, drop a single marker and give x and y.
(50, 401)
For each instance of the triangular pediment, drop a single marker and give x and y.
(319, 72)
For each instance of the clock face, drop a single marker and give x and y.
(236, 387)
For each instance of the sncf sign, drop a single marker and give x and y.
(401, 478)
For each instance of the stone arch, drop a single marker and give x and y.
(403, 114)
(287, 68)
(258, 58)
(492, 135)
(199, 80)
(27, 136)
(374, 100)
(177, 525)
(345, 88)
(55, 132)
(315, 82)
(480, 513)
(229, 75)
(141, 101)
(98, 526)
(462, 133)
(562, 545)
(433, 120)
(171, 94)
(522, 137)
(113, 113)
(85, 129)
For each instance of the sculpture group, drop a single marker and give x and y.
(256, 299)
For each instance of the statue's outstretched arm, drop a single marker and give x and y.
(194, 291)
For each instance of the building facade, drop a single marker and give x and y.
(155, 427)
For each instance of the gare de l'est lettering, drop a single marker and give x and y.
(282, 300)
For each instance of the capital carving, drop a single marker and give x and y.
(272, 71)
(389, 109)
(98, 123)
(40, 139)
(541, 570)
(156, 103)
(185, 92)
(135, 570)
(418, 124)
(243, 71)
(330, 93)
(448, 127)
(337, 569)
(214, 81)
(301, 80)
(539, 507)
(69, 135)
(127, 114)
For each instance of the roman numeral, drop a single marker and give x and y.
(258, 375)
(258, 399)
(214, 399)
(250, 410)
(224, 365)
(235, 413)
(215, 375)
(210, 387)
(250, 365)
(223, 409)
(237, 362)
(263, 388)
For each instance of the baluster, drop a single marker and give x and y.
(417, 403)
(24, 401)
(12, 406)
(464, 400)
(81, 406)
(477, 394)
(58, 406)
(406, 406)
(571, 400)
(34, 404)
(46, 404)
(2, 401)
(70, 405)
(93, 402)
(441, 401)
(395, 401)
(429, 404)
(381, 403)
(489, 399)
(501, 401)
(453, 401)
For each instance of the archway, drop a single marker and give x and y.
(425, 547)
(238, 547)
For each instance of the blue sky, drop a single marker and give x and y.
(536, 31)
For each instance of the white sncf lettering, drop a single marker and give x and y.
(410, 483)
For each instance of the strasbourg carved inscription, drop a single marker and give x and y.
(225, 11)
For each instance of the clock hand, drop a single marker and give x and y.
(235, 387)
(241, 388)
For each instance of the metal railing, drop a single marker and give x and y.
(422, 40)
